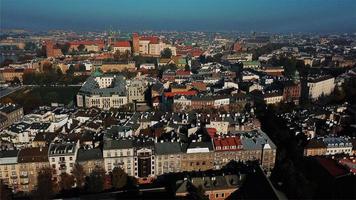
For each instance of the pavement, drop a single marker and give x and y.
(8, 90)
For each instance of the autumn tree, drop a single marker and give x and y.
(166, 53)
(196, 193)
(5, 191)
(66, 181)
(45, 185)
(118, 178)
(96, 180)
(79, 175)
(81, 47)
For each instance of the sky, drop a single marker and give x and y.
(321, 16)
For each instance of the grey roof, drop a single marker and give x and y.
(201, 145)
(253, 140)
(61, 149)
(89, 154)
(166, 148)
(9, 153)
(8, 108)
(118, 144)
(118, 87)
(210, 183)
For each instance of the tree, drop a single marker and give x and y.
(71, 69)
(30, 46)
(16, 81)
(81, 47)
(82, 67)
(6, 100)
(65, 48)
(5, 191)
(195, 193)
(96, 180)
(118, 178)
(166, 53)
(79, 175)
(45, 185)
(66, 181)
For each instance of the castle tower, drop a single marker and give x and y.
(135, 43)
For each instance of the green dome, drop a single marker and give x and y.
(97, 72)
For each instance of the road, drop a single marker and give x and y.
(8, 90)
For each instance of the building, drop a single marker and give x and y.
(329, 145)
(52, 51)
(122, 47)
(273, 97)
(103, 91)
(9, 172)
(168, 157)
(62, 156)
(9, 114)
(291, 92)
(215, 187)
(320, 86)
(315, 147)
(227, 149)
(136, 91)
(119, 153)
(90, 46)
(199, 156)
(89, 159)
(9, 74)
(30, 162)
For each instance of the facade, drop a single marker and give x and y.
(315, 147)
(119, 153)
(122, 47)
(89, 159)
(103, 91)
(330, 145)
(273, 98)
(8, 74)
(30, 162)
(136, 91)
(321, 86)
(292, 92)
(199, 156)
(215, 187)
(168, 157)
(62, 156)
(9, 171)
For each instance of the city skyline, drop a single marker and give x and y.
(278, 16)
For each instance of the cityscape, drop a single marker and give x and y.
(203, 100)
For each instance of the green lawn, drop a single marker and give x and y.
(32, 97)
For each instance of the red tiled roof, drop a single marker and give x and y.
(152, 39)
(183, 93)
(182, 72)
(227, 142)
(122, 44)
(211, 132)
(87, 42)
(332, 167)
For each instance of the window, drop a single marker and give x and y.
(53, 160)
(70, 158)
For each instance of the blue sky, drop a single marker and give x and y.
(207, 15)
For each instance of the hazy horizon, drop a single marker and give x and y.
(321, 16)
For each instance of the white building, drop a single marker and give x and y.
(103, 91)
(320, 86)
(62, 156)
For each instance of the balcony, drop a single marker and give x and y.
(24, 183)
(24, 175)
(13, 176)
